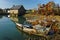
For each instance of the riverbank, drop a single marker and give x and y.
(40, 17)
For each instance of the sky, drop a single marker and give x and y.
(28, 4)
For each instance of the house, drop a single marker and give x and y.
(17, 10)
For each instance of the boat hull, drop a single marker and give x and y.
(27, 30)
(31, 31)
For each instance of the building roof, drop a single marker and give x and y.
(16, 7)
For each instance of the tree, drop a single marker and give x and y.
(1, 10)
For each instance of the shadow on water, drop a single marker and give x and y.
(6, 38)
(2, 16)
(19, 19)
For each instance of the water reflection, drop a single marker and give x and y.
(20, 19)
(8, 29)
(1, 16)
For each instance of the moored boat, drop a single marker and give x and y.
(30, 31)
(36, 29)
(25, 29)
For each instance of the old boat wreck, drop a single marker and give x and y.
(45, 28)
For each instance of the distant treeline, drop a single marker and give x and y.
(4, 13)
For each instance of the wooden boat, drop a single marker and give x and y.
(33, 31)
(30, 31)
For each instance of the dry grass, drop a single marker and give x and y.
(41, 17)
(58, 18)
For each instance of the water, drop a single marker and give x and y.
(8, 30)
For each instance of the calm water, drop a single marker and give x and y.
(8, 30)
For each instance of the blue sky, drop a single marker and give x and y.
(28, 4)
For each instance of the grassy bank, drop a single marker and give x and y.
(40, 17)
